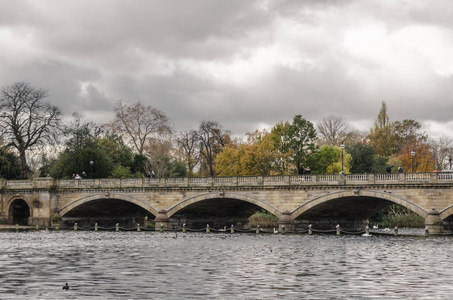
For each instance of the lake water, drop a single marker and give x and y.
(154, 265)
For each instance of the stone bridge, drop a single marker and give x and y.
(321, 200)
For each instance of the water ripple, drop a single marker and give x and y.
(131, 265)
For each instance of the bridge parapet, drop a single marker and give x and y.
(280, 180)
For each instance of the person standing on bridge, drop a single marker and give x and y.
(389, 168)
(400, 169)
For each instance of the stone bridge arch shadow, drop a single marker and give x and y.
(350, 209)
(19, 210)
(107, 210)
(219, 210)
(446, 217)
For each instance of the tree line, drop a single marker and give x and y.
(35, 140)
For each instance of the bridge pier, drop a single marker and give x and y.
(161, 218)
(286, 220)
(433, 222)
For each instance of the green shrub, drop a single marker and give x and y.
(264, 219)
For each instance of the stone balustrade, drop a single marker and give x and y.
(279, 180)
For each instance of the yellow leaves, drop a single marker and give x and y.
(256, 156)
(422, 161)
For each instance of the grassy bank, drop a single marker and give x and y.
(411, 220)
(397, 215)
(264, 219)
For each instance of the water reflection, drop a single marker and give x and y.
(134, 265)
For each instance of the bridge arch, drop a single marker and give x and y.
(446, 213)
(360, 193)
(223, 195)
(86, 199)
(19, 210)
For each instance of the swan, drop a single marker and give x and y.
(375, 226)
(275, 231)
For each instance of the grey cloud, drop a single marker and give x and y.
(116, 49)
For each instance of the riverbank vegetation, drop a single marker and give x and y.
(397, 216)
(264, 219)
(393, 216)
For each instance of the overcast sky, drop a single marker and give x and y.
(244, 64)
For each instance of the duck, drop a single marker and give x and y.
(66, 287)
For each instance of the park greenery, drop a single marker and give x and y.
(36, 141)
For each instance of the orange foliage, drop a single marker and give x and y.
(423, 161)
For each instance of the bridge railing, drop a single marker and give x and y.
(417, 176)
(363, 178)
(279, 180)
(381, 178)
(301, 179)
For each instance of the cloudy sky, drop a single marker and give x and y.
(245, 64)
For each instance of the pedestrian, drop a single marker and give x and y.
(389, 168)
(307, 171)
(301, 170)
(152, 174)
(73, 175)
(400, 169)
(148, 174)
(84, 175)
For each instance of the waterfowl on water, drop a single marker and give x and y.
(66, 287)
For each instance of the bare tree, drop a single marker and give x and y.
(442, 151)
(211, 139)
(333, 130)
(26, 120)
(139, 125)
(189, 144)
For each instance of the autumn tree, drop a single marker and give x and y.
(328, 160)
(300, 139)
(280, 138)
(259, 154)
(228, 162)
(380, 135)
(256, 156)
(27, 121)
(406, 132)
(141, 126)
(422, 161)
